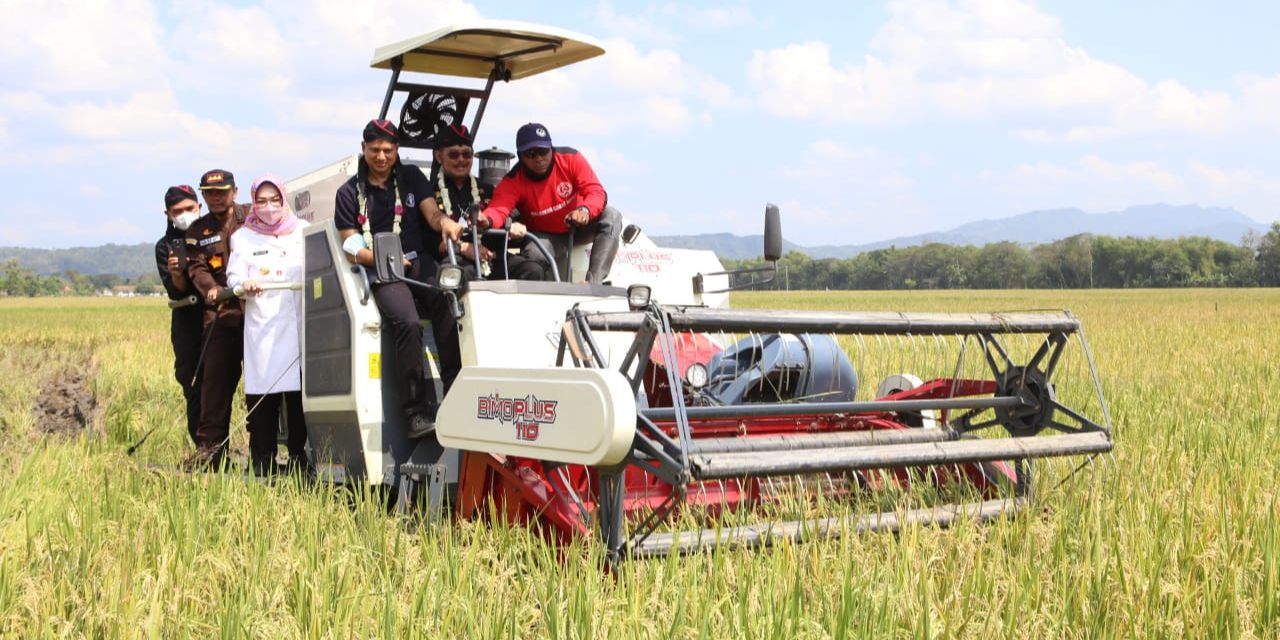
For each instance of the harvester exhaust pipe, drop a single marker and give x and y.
(494, 164)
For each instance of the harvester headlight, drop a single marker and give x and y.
(696, 375)
(450, 276)
(638, 296)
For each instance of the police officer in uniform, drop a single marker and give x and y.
(208, 250)
(387, 195)
(187, 320)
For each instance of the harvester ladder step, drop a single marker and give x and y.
(764, 534)
(773, 463)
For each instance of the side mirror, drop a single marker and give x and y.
(388, 257)
(630, 233)
(772, 253)
(772, 233)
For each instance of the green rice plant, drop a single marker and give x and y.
(1173, 535)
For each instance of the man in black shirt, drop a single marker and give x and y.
(387, 195)
(453, 190)
(186, 321)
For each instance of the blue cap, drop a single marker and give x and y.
(532, 136)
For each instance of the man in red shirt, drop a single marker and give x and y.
(557, 193)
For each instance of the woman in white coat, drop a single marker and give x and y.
(266, 256)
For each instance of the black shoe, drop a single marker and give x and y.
(265, 467)
(420, 426)
(205, 458)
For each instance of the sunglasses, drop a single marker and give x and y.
(455, 154)
(536, 153)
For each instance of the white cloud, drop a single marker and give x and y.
(56, 47)
(1244, 186)
(664, 23)
(630, 88)
(1096, 183)
(611, 163)
(860, 190)
(1087, 170)
(337, 113)
(997, 60)
(40, 223)
(832, 166)
(1143, 172)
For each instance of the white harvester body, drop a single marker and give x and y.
(593, 411)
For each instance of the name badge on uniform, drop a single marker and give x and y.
(210, 240)
(260, 252)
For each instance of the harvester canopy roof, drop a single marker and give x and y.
(471, 50)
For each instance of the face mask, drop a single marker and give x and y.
(269, 214)
(185, 220)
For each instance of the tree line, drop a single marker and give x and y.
(17, 280)
(1077, 262)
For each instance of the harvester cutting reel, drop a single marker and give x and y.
(694, 449)
(1037, 407)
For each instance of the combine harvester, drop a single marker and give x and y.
(627, 413)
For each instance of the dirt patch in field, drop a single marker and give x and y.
(66, 404)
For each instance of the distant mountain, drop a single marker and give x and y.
(128, 260)
(1035, 227)
(725, 245)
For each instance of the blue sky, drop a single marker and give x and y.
(863, 120)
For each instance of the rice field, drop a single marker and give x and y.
(1177, 534)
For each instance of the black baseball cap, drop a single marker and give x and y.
(217, 179)
(532, 136)
(174, 195)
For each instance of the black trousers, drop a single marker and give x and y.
(264, 418)
(185, 332)
(507, 267)
(399, 304)
(603, 233)
(219, 375)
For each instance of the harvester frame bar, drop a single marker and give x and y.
(796, 442)
(886, 456)
(770, 410)
(844, 322)
(763, 535)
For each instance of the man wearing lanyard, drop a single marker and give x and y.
(454, 190)
(387, 195)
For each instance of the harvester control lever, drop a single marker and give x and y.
(189, 301)
(226, 294)
(473, 216)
